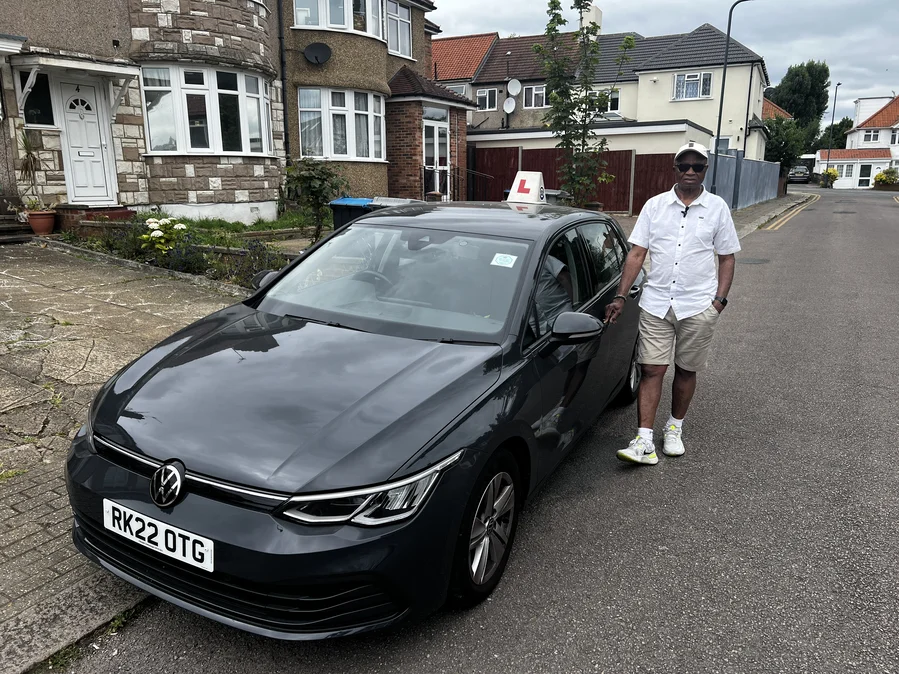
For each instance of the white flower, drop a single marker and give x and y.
(165, 221)
(152, 225)
(180, 226)
(157, 233)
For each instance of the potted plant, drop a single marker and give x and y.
(40, 217)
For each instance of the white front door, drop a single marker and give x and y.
(85, 144)
(437, 158)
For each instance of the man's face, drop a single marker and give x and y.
(691, 177)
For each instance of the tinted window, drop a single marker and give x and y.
(441, 284)
(562, 284)
(605, 251)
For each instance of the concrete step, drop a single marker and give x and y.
(7, 226)
(15, 238)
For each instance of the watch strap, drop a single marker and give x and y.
(723, 300)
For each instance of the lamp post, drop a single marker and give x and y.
(832, 120)
(730, 17)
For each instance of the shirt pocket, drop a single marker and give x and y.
(705, 233)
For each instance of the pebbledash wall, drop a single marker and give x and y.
(230, 34)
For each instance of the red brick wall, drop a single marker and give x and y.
(404, 149)
(459, 158)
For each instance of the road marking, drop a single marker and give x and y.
(780, 222)
(896, 199)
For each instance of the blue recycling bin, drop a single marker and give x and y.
(347, 209)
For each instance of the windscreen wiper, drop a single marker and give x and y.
(330, 324)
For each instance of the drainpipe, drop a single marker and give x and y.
(283, 56)
(748, 106)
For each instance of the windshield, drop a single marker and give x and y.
(421, 283)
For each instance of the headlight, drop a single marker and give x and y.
(370, 506)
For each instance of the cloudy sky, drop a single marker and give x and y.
(857, 40)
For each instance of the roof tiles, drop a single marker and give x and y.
(458, 58)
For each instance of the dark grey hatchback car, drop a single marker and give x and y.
(353, 444)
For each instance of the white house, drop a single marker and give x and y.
(880, 129)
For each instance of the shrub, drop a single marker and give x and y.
(241, 269)
(888, 176)
(829, 177)
(314, 183)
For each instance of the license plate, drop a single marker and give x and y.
(159, 536)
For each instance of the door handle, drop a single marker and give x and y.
(635, 290)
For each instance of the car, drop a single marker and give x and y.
(799, 174)
(352, 445)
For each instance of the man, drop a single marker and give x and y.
(683, 297)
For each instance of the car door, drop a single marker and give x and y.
(567, 392)
(606, 253)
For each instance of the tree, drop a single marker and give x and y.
(574, 106)
(314, 183)
(785, 142)
(840, 131)
(804, 92)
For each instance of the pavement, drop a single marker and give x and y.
(68, 322)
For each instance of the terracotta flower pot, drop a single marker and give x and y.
(42, 222)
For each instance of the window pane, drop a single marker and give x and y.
(707, 84)
(405, 39)
(194, 77)
(377, 106)
(378, 139)
(161, 121)
(393, 34)
(310, 98)
(692, 89)
(362, 136)
(679, 86)
(226, 81)
(339, 131)
(338, 99)
(229, 121)
(360, 15)
(361, 102)
(38, 106)
(156, 77)
(197, 121)
(311, 134)
(306, 12)
(254, 125)
(429, 145)
(443, 147)
(606, 254)
(336, 12)
(392, 7)
(435, 114)
(528, 97)
(252, 84)
(404, 12)
(376, 18)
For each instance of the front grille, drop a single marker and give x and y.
(315, 608)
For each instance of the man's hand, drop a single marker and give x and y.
(613, 310)
(718, 306)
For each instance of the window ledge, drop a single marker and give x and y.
(252, 155)
(42, 127)
(692, 100)
(402, 56)
(345, 31)
(361, 160)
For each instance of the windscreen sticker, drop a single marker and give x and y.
(503, 260)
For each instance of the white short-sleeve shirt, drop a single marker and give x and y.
(682, 243)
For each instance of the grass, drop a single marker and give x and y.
(287, 220)
(67, 656)
(10, 473)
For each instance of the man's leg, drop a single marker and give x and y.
(682, 391)
(650, 394)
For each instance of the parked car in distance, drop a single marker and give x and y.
(799, 174)
(353, 445)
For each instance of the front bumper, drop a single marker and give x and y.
(274, 576)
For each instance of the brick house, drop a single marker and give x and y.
(357, 81)
(140, 103)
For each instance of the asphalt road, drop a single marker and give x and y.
(769, 547)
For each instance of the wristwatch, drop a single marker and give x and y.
(723, 301)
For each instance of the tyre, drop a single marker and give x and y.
(487, 531)
(628, 393)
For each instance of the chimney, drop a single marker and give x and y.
(593, 14)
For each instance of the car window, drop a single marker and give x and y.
(562, 285)
(438, 284)
(605, 252)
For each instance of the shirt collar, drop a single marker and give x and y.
(699, 201)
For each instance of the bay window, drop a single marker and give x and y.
(362, 16)
(399, 28)
(338, 124)
(195, 110)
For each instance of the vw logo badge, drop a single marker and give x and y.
(166, 483)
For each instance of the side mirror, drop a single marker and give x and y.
(576, 328)
(263, 278)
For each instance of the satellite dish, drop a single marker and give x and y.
(509, 106)
(317, 52)
(514, 87)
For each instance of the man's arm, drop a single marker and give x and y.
(726, 266)
(632, 266)
(564, 279)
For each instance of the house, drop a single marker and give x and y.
(358, 81)
(458, 59)
(169, 103)
(667, 94)
(871, 146)
(771, 110)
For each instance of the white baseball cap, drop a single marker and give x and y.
(693, 147)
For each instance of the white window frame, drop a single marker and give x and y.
(400, 22)
(894, 138)
(210, 90)
(840, 168)
(375, 113)
(850, 169)
(699, 78)
(871, 136)
(374, 18)
(614, 98)
(535, 90)
(17, 81)
(457, 88)
(486, 94)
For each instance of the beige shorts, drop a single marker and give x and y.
(688, 340)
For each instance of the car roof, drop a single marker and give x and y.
(521, 221)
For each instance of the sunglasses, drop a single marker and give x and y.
(697, 168)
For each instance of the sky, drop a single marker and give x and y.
(857, 40)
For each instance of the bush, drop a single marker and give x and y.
(888, 176)
(314, 184)
(241, 269)
(829, 177)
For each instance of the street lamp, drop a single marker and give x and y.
(833, 118)
(730, 17)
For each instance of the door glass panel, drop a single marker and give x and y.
(606, 253)
(429, 145)
(197, 121)
(161, 121)
(443, 147)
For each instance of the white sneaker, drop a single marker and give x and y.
(640, 450)
(673, 446)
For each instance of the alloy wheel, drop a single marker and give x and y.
(492, 528)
